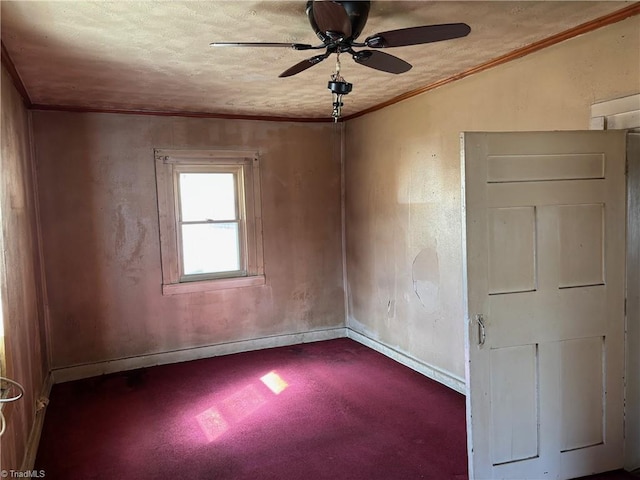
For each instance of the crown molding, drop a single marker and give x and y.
(609, 19)
(631, 10)
(15, 76)
(162, 113)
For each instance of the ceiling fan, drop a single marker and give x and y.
(338, 24)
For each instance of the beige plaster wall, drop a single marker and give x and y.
(101, 242)
(20, 277)
(402, 174)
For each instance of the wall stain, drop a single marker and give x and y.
(121, 233)
(142, 234)
(302, 295)
(130, 248)
(391, 309)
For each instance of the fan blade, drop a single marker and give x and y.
(295, 46)
(303, 65)
(331, 17)
(417, 35)
(381, 61)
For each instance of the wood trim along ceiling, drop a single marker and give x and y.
(614, 17)
(15, 76)
(227, 116)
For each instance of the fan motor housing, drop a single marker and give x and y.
(357, 11)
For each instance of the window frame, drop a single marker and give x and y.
(246, 168)
(240, 219)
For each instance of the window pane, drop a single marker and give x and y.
(207, 196)
(210, 248)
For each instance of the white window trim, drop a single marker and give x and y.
(167, 163)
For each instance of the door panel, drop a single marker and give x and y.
(544, 239)
(583, 393)
(529, 168)
(514, 406)
(512, 239)
(581, 231)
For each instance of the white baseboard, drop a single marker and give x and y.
(77, 372)
(434, 373)
(33, 441)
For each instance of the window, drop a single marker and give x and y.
(210, 219)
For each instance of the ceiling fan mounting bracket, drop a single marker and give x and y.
(347, 15)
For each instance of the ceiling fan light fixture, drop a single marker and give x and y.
(339, 87)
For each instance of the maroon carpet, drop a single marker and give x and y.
(327, 410)
(335, 410)
(617, 475)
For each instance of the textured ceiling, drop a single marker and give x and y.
(155, 55)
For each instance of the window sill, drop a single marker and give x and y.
(210, 285)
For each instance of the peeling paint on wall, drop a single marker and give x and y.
(425, 274)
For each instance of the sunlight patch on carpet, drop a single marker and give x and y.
(212, 423)
(274, 382)
(216, 420)
(242, 403)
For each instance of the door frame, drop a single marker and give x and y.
(613, 114)
(632, 327)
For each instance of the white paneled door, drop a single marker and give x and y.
(545, 271)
